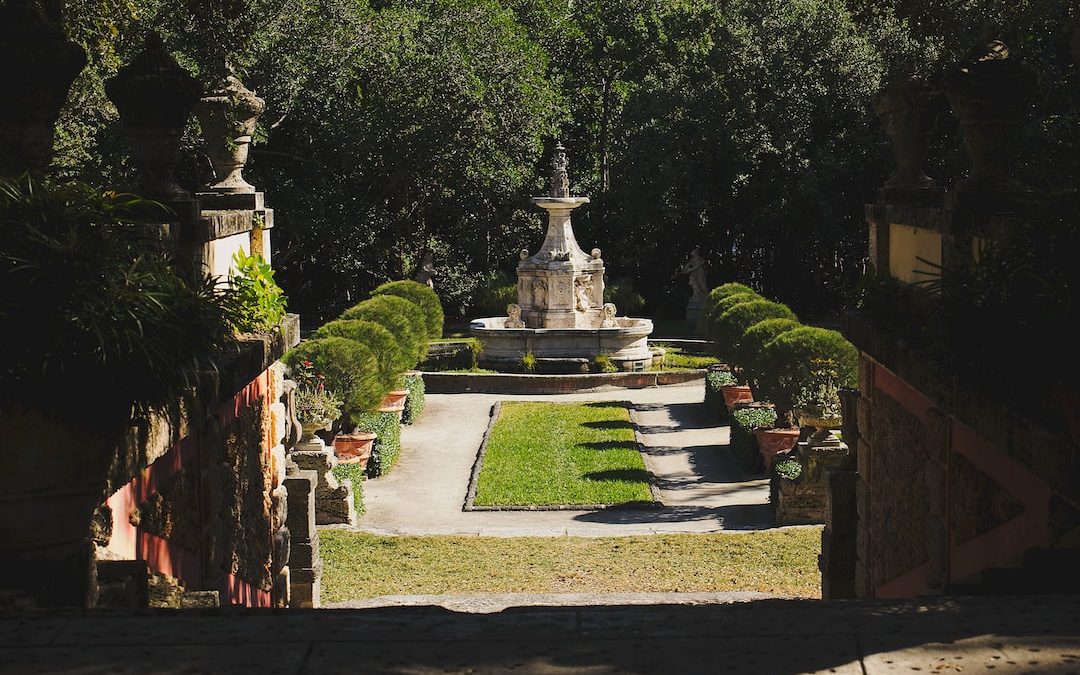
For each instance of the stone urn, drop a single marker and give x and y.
(309, 439)
(41, 65)
(989, 93)
(154, 96)
(736, 394)
(354, 448)
(908, 111)
(228, 114)
(823, 425)
(774, 440)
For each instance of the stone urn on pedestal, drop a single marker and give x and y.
(154, 96)
(989, 93)
(908, 110)
(41, 65)
(228, 114)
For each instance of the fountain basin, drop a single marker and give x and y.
(563, 350)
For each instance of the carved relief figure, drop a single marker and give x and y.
(609, 320)
(539, 294)
(513, 313)
(581, 292)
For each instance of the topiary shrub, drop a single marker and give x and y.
(414, 405)
(387, 446)
(753, 341)
(720, 300)
(375, 337)
(731, 325)
(355, 475)
(791, 361)
(423, 296)
(351, 371)
(399, 316)
(743, 442)
(715, 380)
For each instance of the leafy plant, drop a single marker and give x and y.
(260, 302)
(91, 294)
(730, 326)
(789, 468)
(314, 402)
(355, 475)
(602, 363)
(790, 360)
(387, 446)
(400, 317)
(421, 295)
(715, 381)
(528, 362)
(743, 442)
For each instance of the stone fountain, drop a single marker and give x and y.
(560, 317)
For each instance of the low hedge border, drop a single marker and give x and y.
(384, 454)
(478, 465)
(355, 475)
(743, 443)
(414, 404)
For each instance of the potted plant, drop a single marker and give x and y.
(819, 403)
(316, 406)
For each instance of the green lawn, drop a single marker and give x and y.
(548, 454)
(677, 359)
(359, 565)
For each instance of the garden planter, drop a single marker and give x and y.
(55, 475)
(823, 426)
(354, 448)
(395, 401)
(773, 441)
(228, 115)
(908, 110)
(734, 394)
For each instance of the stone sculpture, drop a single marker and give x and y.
(513, 313)
(609, 320)
(581, 292)
(427, 271)
(695, 268)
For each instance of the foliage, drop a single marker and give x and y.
(730, 326)
(528, 362)
(676, 359)
(788, 468)
(820, 394)
(754, 339)
(399, 316)
(355, 475)
(743, 442)
(493, 294)
(626, 299)
(414, 404)
(260, 302)
(715, 381)
(384, 454)
(421, 295)
(390, 358)
(781, 562)
(602, 363)
(351, 371)
(462, 358)
(314, 403)
(92, 298)
(715, 307)
(546, 454)
(790, 359)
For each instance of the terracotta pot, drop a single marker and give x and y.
(394, 401)
(354, 448)
(772, 442)
(735, 394)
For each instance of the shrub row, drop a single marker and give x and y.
(387, 446)
(414, 405)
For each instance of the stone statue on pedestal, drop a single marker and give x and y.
(695, 268)
(427, 272)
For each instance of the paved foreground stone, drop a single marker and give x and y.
(776, 637)
(702, 487)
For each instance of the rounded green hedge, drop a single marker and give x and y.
(392, 360)
(731, 325)
(790, 359)
(421, 295)
(719, 301)
(350, 368)
(754, 340)
(399, 316)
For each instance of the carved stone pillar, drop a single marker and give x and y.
(989, 93)
(228, 114)
(154, 96)
(40, 65)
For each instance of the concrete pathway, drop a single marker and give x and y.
(701, 486)
(773, 637)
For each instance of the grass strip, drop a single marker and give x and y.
(359, 565)
(562, 454)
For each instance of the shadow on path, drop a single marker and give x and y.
(730, 517)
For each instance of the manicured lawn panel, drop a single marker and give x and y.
(359, 565)
(549, 454)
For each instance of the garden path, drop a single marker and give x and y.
(702, 488)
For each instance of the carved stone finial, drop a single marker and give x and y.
(560, 181)
(154, 95)
(40, 65)
(908, 110)
(228, 114)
